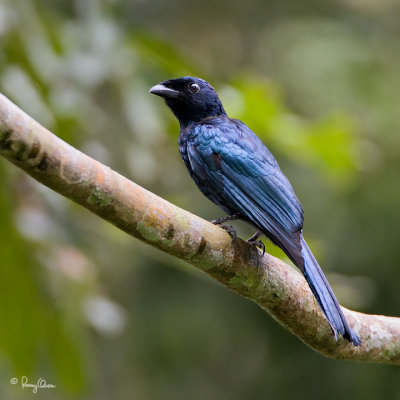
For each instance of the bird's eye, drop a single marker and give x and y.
(194, 87)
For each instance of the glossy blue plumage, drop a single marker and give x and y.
(235, 170)
(232, 167)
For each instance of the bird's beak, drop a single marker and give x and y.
(163, 91)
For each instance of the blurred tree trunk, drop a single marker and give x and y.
(273, 285)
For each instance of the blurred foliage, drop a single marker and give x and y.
(328, 145)
(101, 315)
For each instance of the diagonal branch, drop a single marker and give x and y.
(270, 283)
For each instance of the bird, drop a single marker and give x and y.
(235, 170)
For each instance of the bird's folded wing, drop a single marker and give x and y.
(247, 177)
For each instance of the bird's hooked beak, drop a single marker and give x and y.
(163, 91)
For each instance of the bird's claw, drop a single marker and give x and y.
(257, 243)
(230, 229)
(218, 221)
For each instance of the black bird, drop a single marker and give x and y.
(235, 170)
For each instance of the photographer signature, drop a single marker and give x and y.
(40, 384)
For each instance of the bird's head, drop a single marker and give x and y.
(190, 99)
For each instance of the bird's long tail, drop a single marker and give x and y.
(325, 297)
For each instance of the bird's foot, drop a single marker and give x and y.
(230, 229)
(257, 243)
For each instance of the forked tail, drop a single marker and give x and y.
(325, 296)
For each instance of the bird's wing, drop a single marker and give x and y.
(233, 161)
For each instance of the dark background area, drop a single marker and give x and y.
(101, 315)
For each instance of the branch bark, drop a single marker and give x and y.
(273, 285)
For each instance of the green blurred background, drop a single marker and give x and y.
(101, 315)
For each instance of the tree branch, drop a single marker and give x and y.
(273, 285)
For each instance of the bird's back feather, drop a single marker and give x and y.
(236, 171)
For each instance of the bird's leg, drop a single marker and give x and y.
(258, 243)
(229, 228)
(219, 221)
